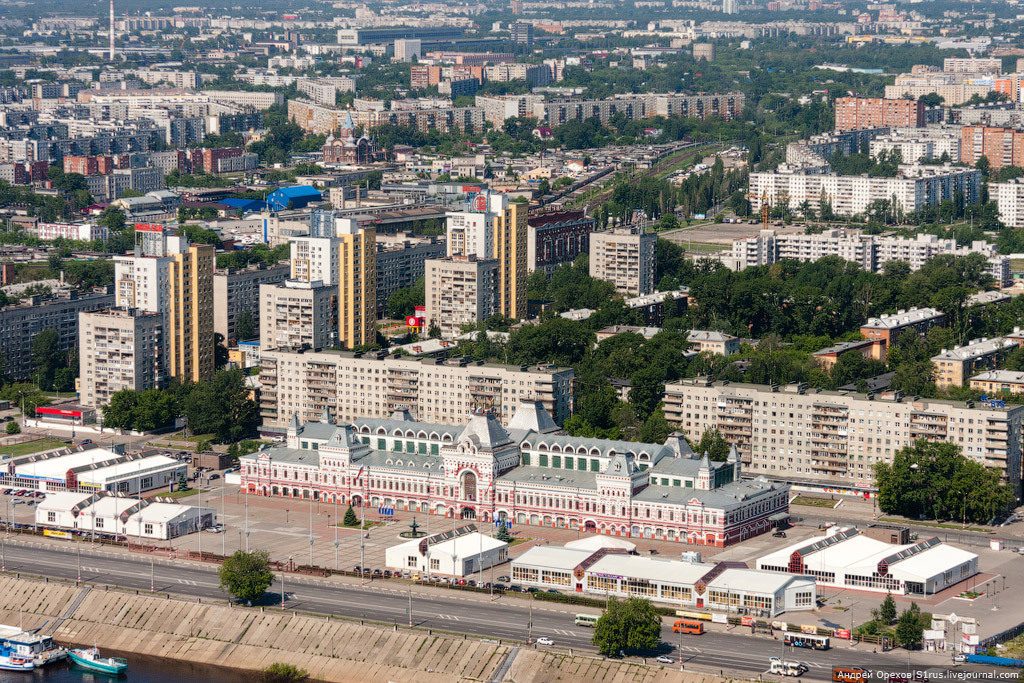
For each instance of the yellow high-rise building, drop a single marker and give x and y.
(510, 233)
(357, 283)
(191, 314)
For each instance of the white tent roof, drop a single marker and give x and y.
(593, 543)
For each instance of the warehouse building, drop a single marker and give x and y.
(608, 572)
(847, 558)
(105, 515)
(91, 470)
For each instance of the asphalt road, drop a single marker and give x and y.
(381, 601)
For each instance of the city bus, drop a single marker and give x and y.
(586, 620)
(807, 640)
(688, 626)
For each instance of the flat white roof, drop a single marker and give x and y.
(597, 542)
(755, 581)
(552, 557)
(165, 512)
(153, 463)
(56, 468)
(63, 501)
(932, 562)
(650, 568)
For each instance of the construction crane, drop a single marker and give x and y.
(766, 205)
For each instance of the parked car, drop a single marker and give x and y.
(499, 586)
(504, 578)
(215, 529)
(779, 534)
(544, 640)
(664, 659)
(387, 573)
(959, 658)
(516, 589)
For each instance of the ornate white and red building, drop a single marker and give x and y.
(527, 473)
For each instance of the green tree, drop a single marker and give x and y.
(887, 611)
(909, 629)
(433, 330)
(47, 357)
(222, 406)
(714, 444)
(284, 673)
(245, 326)
(246, 576)
(503, 535)
(220, 351)
(350, 517)
(13, 427)
(403, 301)
(630, 625)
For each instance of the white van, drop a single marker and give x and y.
(786, 668)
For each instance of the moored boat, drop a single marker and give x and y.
(38, 647)
(90, 658)
(12, 661)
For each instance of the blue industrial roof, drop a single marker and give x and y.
(244, 204)
(297, 191)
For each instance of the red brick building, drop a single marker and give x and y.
(1002, 146)
(853, 113)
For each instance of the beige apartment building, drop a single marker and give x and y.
(954, 367)
(358, 385)
(804, 435)
(495, 228)
(624, 257)
(238, 289)
(460, 290)
(119, 349)
(712, 341)
(295, 314)
(997, 381)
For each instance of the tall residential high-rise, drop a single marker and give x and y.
(495, 228)
(191, 313)
(119, 349)
(169, 275)
(342, 252)
(460, 290)
(357, 283)
(729, 6)
(626, 258)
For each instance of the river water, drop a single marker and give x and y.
(140, 668)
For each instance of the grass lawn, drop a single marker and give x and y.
(935, 524)
(177, 494)
(813, 502)
(27, 447)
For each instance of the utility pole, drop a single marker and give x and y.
(223, 519)
(79, 583)
(247, 521)
(529, 626)
(152, 575)
(337, 522)
(311, 529)
(410, 605)
(200, 517)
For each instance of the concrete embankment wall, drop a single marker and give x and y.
(248, 639)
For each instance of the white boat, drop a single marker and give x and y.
(12, 661)
(40, 648)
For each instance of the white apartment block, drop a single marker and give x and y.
(242, 98)
(1009, 197)
(797, 434)
(354, 385)
(817, 150)
(972, 65)
(870, 252)
(407, 49)
(460, 290)
(497, 108)
(626, 258)
(470, 233)
(296, 314)
(119, 349)
(914, 188)
(915, 148)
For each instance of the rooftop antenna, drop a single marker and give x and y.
(111, 30)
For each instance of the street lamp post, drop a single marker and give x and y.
(246, 522)
(79, 583)
(223, 520)
(311, 529)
